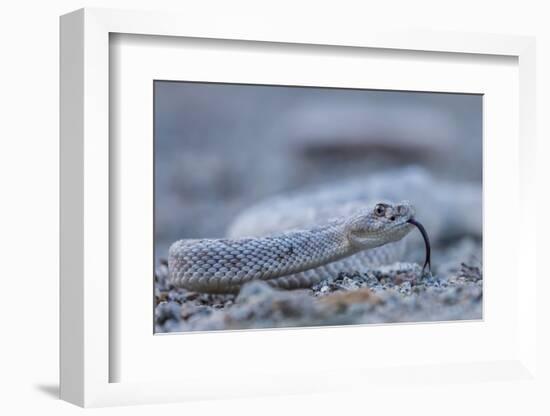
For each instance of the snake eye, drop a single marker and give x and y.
(379, 210)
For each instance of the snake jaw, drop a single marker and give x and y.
(383, 224)
(428, 261)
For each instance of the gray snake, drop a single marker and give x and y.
(295, 241)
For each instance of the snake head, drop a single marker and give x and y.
(381, 224)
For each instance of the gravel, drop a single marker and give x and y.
(388, 294)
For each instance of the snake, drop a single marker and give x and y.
(298, 240)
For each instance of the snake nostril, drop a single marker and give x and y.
(392, 218)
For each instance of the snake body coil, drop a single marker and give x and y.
(223, 265)
(317, 245)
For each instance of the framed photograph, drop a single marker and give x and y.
(243, 202)
(319, 231)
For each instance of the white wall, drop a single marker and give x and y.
(29, 207)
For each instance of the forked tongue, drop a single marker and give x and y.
(428, 261)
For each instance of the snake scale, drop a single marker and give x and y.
(297, 240)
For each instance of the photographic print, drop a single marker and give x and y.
(289, 206)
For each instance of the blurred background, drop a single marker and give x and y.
(221, 147)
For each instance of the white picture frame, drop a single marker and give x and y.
(87, 302)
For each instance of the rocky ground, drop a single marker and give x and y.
(389, 294)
